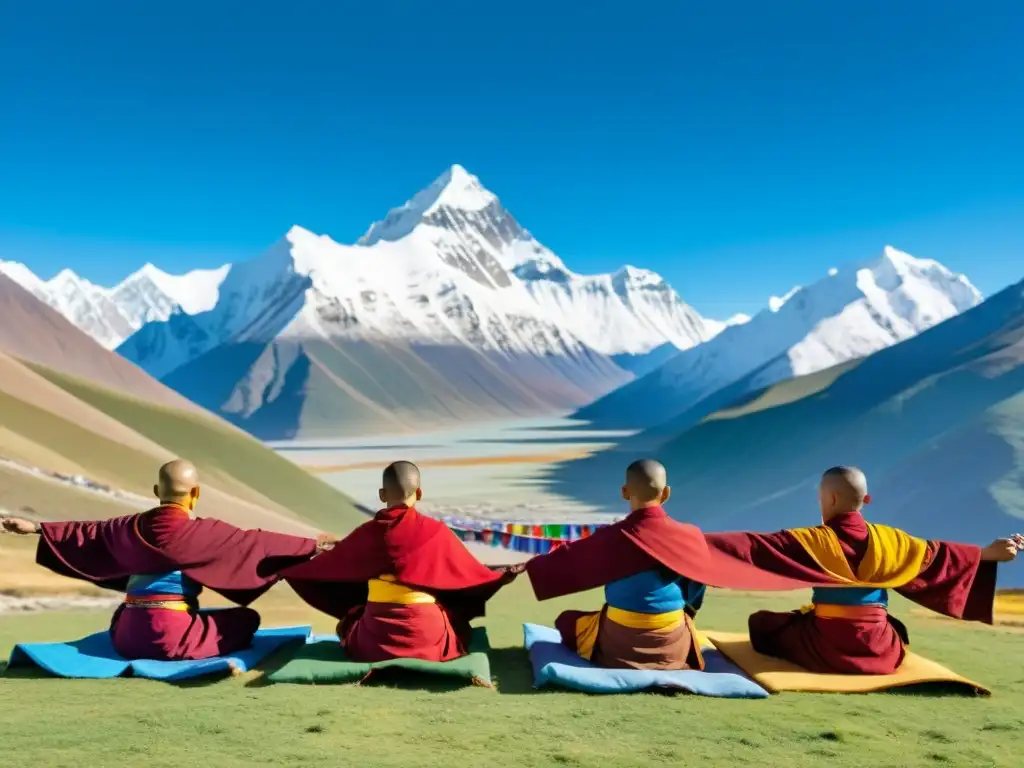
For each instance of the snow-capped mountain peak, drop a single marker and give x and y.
(194, 291)
(456, 189)
(628, 312)
(851, 313)
(643, 279)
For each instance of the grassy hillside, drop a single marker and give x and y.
(937, 422)
(234, 723)
(225, 456)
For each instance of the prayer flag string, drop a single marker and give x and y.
(520, 537)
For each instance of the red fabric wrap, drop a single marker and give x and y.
(420, 552)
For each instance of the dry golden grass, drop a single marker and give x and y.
(21, 577)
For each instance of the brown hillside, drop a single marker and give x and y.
(33, 331)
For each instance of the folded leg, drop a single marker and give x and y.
(607, 644)
(167, 635)
(382, 631)
(829, 645)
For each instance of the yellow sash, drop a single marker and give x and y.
(385, 590)
(633, 620)
(587, 626)
(166, 605)
(893, 558)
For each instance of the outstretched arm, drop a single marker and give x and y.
(959, 580)
(778, 552)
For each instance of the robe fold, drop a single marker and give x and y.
(853, 563)
(402, 586)
(647, 539)
(238, 564)
(654, 570)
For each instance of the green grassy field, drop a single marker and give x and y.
(236, 460)
(238, 722)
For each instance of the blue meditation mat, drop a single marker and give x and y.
(94, 657)
(556, 666)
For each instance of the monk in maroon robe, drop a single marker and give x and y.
(161, 560)
(402, 584)
(654, 571)
(848, 628)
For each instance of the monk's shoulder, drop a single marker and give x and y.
(158, 524)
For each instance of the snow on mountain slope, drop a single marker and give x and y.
(632, 311)
(427, 327)
(110, 315)
(152, 294)
(849, 314)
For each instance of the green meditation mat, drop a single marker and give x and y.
(322, 660)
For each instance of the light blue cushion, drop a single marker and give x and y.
(94, 657)
(555, 665)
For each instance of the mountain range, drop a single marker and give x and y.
(849, 314)
(449, 310)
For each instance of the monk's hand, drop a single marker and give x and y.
(510, 572)
(18, 526)
(325, 541)
(1002, 550)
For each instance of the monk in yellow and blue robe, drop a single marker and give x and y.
(646, 623)
(653, 570)
(848, 629)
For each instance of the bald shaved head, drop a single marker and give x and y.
(843, 489)
(177, 483)
(400, 484)
(646, 484)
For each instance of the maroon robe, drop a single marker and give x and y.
(954, 581)
(648, 538)
(238, 564)
(421, 554)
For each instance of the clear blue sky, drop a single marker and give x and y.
(737, 147)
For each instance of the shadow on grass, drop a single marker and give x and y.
(511, 670)
(32, 672)
(937, 690)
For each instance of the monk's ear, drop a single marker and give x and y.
(625, 493)
(419, 494)
(156, 491)
(867, 498)
(380, 495)
(195, 493)
(665, 494)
